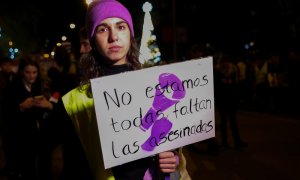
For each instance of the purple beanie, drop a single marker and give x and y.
(101, 9)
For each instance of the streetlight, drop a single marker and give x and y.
(63, 38)
(10, 43)
(87, 2)
(72, 25)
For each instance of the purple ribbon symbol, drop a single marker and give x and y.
(161, 127)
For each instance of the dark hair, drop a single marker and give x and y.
(39, 85)
(92, 64)
(25, 61)
(62, 58)
(83, 33)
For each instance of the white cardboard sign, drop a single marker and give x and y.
(145, 112)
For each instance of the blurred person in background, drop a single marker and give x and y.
(293, 58)
(261, 84)
(62, 78)
(84, 49)
(6, 76)
(226, 95)
(85, 46)
(200, 51)
(27, 112)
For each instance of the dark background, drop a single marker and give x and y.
(37, 25)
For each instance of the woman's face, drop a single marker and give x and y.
(112, 38)
(30, 74)
(85, 46)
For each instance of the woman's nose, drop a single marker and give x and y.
(113, 35)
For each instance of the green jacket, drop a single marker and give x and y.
(79, 105)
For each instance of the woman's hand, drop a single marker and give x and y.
(168, 161)
(27, 104)
(43, 103)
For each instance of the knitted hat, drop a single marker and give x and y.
(101, 9)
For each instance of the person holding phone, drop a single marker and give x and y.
(27, 113)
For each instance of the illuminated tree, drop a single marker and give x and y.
(149, 51)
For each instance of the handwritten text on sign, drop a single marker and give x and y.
(144, 112)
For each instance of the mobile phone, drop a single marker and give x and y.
(39, 98)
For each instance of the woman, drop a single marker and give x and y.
(27, 113)
(227, 100)
(114, 50)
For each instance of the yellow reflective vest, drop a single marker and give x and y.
(79, 105)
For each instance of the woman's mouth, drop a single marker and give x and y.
(114, 48)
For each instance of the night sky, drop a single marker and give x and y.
(32, 23)
(47, 16)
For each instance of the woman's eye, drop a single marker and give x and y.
(122, 27)
(102, 29)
